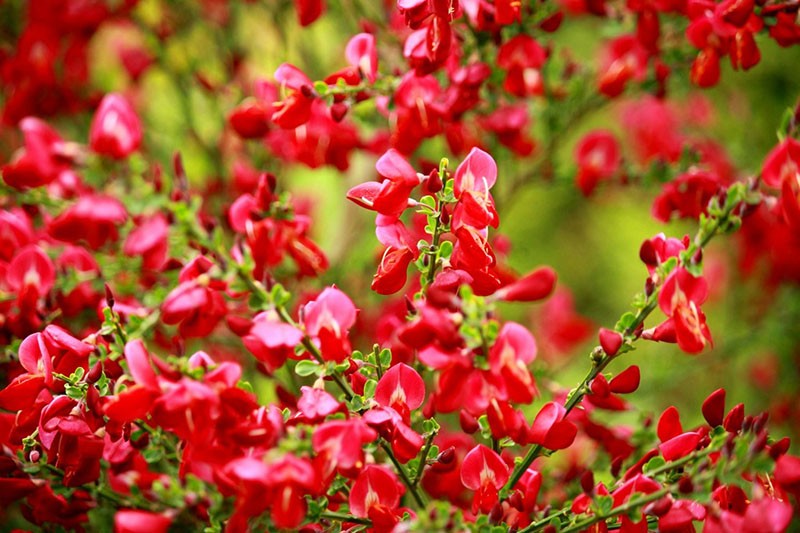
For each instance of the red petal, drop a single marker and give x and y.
(611, 341)
(626, 381)
(678, 446)
(714, 408)
(669, 425)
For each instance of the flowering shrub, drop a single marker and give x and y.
(180, 352)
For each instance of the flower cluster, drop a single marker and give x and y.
(184, 349)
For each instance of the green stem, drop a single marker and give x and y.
(342, 517)
(600, 359)
(633, 503)
(425, 451)
(412, 488)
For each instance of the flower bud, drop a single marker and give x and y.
(447, 455)
(434, 183)
(587, 482)
(611, 341)
(338, 111)
(468, 422)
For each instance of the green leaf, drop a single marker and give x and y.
(430, 425)
(320, 87)
(369, 388)
(653, 464)
(306, 368)
(603, 504)
(428, 201)
(625, 321)
(385, 358)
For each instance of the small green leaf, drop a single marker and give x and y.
(603, 504)
(653, 464)
(369, 388)
(306, 368)
(320, 87)
(385, 358)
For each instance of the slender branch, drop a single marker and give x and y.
(600, 359)
(343, 517)
(425, 451)
(412, 488)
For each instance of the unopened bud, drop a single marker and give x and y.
(94, 373)
(760, 421)
(445, 216)
(34, 456)
(109, 297)
(779, 448)
(659, 507)
(468, 422)
(338, 111)
(516, 501)
(447, 456)
(587, 482)
(434, 183)
(411, 309)
(307, 91)
(686, 485)
(496, 514)
(759, 444)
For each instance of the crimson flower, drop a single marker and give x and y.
(675, 443)
(295, 108)
(522, 58)
(402, 389)
(551, 428)
(116, 130)
(137, 521)
(93, 219)
(598, 157)
(362, 54)
(376, 495)
(328, 319)
(196, 304)
(43, 158)
(484, 472)
(680, 299)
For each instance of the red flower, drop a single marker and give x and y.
(362, 55)
(339, 445)
(149, 241)
(687, 196)
(675, 443)
(136, 521)
(93, 219)
(680, 298)
(782, 164)
(522, 58)
(551, 429)
(44, 157)
(484, 472)
(392, 270)
(272, 341)
(624, 59)
(309, 11)
(376, 495)
(509, 357)
(598, 157)
(116, 130)
(196, 304)
(536, 285)
(391, 196)
(402, 389)
(328, 319)
(295, 108)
